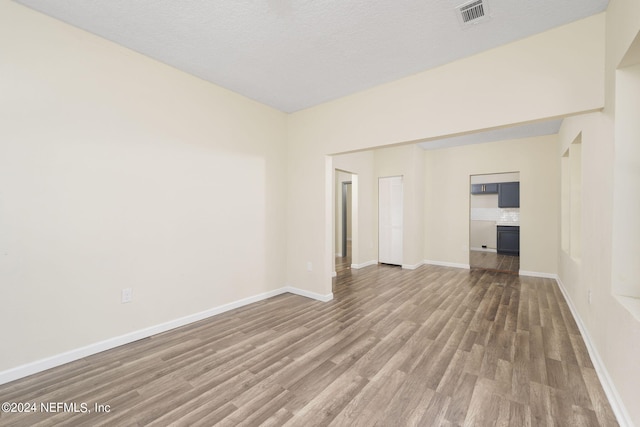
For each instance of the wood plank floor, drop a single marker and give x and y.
(494, 262)
(435, 346)
(344, 263)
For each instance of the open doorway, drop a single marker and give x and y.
(346, 219)
(494, 222)
(344, 223)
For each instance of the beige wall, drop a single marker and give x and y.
(482, 233)
(447, 199)
(612, 328)
(500, 177)
(406, 161)
(365, 232)
(625, 267)
(114, 173)
(117, 171)
(551, 74)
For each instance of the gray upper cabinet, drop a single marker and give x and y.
(509, 195)
(491, 188)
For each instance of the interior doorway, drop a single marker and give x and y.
(345, 220)
(494, 222)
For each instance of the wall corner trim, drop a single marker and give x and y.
(412, 266)
(364, 264)
(610, 390)
(308, 294)
(88, 350)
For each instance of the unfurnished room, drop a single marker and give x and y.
(305, 213)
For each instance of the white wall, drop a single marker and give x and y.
(117, 171)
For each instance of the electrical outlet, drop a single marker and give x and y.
(127, 295)
(589, 296)
(309, 266)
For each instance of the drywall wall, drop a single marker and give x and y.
(447, 198)
(625, 268)
(501, 177)
(114, 172)
(483, 235)
(406, 161)
(365, 242)
(552, 74)
(611, 328)
(117, 171)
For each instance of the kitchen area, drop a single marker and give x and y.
(494, 222)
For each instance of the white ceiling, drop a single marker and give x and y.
(294, 54)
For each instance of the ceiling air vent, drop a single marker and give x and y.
(473, 12)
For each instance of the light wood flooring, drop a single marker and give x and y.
(344, 263)
(494, 262)
(435, 346)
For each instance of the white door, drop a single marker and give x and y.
(390, 220)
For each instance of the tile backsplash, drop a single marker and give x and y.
(502, 216)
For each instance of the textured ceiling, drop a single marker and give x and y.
(294, 54)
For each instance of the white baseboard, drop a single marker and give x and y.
(615, 401)
(412, 266)
(308, 294)
(484, 250)
(69, 356)
(447, 264)
(364, 264)
(538, 274)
